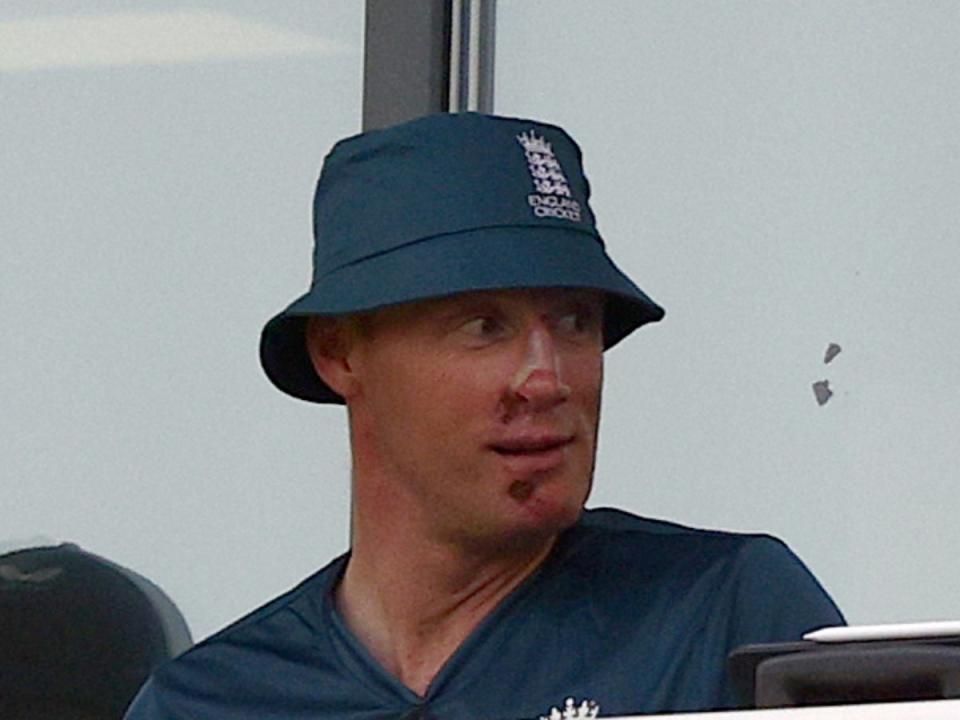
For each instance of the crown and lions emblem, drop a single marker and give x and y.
(586, 710)
(552, 198)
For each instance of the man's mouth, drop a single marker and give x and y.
(531, 446)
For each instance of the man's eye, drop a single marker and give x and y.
(483, 327)
(579, 322)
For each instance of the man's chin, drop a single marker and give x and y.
(538, 513)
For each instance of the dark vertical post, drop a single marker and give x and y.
(406, 70)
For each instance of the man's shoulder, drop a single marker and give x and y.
(746, 564)
(614, 519)
(302, 604)
(675, 600)
(252, 650)
(616, 527)
(756, 575)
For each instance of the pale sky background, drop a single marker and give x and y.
(779, 175)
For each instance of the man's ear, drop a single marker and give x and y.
(328, 343)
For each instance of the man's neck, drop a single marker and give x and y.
(412, 604)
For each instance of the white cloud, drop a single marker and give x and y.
(149, 38)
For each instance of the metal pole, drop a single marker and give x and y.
(472, 31)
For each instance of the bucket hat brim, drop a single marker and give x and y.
(496, 258)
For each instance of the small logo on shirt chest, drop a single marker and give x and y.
(586, 710)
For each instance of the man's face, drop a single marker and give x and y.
(475, 416)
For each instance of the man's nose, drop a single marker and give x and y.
(539, 381)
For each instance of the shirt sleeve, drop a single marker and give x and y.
(152, 704)
(776, 599)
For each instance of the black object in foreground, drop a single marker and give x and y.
(79, 634)
(810, 673)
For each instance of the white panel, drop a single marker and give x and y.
(780, 176)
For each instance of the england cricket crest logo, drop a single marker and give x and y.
(552, 197)
(587, 710)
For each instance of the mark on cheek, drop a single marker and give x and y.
(521, 489)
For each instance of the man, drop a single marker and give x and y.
(461, 303)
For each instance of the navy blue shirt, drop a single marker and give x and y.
(635, 615)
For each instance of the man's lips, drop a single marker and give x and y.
(530, 446)
(526, 458)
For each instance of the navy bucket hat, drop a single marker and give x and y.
(441, 205)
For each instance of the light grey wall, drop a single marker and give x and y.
(781, 176)
(158, 164)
